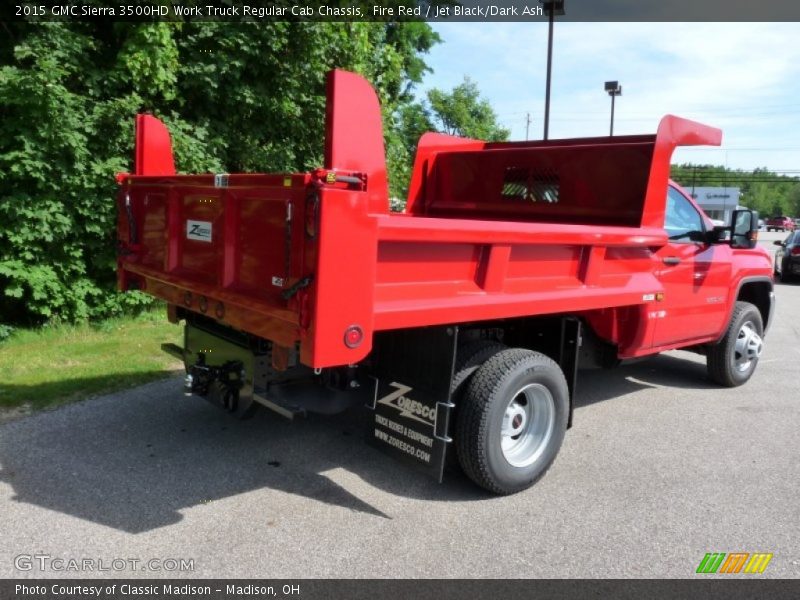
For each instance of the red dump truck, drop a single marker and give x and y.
(461, 322)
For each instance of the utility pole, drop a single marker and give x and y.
(549, 74)
(527, 125)
(614, 89)
(552, 8)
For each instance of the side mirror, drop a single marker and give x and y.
(719, 234)
(778, 243)
(744, 229)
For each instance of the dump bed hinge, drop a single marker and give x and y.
(221, 180)
(299, 285)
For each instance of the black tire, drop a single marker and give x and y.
(785, 276)
(503, 382)
(727, 365)
(469, 357)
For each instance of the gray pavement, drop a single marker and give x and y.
(660, 467)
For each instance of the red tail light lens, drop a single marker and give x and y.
(795, 251)
(353, 336)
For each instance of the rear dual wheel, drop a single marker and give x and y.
(511, 420)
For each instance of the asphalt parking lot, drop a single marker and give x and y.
(660, 468)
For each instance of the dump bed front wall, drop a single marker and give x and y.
(588, 184)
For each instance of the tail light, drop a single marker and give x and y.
(795, 251)
(353, 336)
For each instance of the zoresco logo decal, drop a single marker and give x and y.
(198, 230)
(411, 409)
(736, 562)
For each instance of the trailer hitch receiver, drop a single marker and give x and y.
(220, 384)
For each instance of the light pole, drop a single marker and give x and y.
(614, 89)
(551, 8)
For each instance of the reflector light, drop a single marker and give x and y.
(353, 336)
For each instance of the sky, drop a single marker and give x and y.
(741, 77)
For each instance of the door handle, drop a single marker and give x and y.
(671, 260)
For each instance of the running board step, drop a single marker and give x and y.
(291, 399)
(174, 350)
(290, 412)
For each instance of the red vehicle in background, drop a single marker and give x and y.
(780, 224)
(462, 322)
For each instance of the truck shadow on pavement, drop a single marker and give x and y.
(133, 460)
(663, 370)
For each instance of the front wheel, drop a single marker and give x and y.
(732, 361)
(512, 420)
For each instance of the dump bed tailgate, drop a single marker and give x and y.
(229, 246)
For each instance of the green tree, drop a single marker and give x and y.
(763, 190)
(793, 198)
(464, 113)
(460, 112)
(236, 97)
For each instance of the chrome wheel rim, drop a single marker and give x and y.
(528, 424)
(748, 347)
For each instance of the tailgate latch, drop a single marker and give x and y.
(299, 285)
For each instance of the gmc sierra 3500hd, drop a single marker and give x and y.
(462, 321)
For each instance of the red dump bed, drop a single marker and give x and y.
(491, 230)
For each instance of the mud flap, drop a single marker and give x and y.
(568, 356)
(412, 371)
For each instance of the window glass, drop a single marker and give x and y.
(683, 223)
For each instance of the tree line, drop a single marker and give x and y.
(770, 193)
